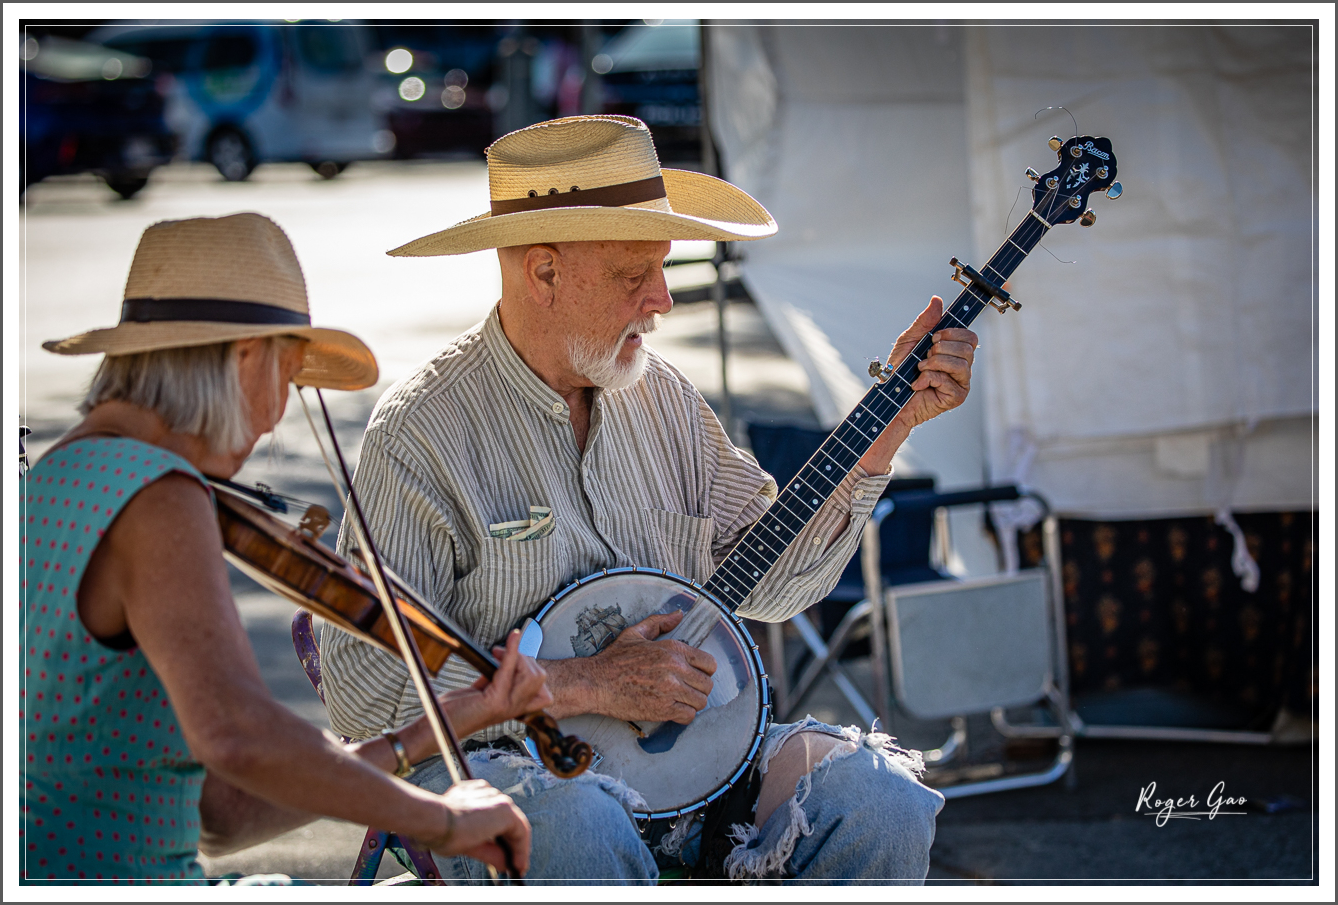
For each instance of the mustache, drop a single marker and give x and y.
(642, 327)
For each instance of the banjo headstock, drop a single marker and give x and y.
(1086, 165)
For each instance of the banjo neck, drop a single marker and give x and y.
(1086, 165)
(797, 504)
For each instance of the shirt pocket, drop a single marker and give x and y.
(512, 580)
(680, 543)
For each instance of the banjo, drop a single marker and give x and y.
(680, 768)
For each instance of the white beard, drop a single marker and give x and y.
(601, 366)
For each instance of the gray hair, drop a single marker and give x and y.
(194, 389)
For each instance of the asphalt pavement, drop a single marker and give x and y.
(77, 241)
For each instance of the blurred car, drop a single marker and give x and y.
(436, 87)
(85, 108)
(650, 72)
(243, 94)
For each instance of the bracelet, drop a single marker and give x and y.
(402, 766)
(438, 842)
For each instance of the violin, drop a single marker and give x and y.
(292, 563)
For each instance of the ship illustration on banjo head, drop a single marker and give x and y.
(596, 629)
(679, 769)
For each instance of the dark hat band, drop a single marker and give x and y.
(225, 311)
(619, 195)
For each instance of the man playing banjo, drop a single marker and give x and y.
(549, 443)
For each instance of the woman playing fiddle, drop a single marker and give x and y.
(148, 734)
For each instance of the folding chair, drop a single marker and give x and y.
(906, 526)
(966, 673)
(377, 842)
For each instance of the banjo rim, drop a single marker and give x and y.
(749, 646)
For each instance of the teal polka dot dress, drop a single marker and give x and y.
(109, 790)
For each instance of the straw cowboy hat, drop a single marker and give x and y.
(586, 178)
(211, 280)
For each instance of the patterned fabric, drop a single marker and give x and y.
(1154, 603)
(474, 438)
(110, 791)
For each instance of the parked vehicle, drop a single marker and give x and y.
(436, 87)
(241, 94)
(650, 72)
(87, 108)
(451, 89)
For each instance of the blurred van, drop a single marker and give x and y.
(241, 95)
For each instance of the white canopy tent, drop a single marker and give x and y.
(1164, 361)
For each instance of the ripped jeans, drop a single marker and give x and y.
(860, 815)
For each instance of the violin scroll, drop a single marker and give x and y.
(564, 755)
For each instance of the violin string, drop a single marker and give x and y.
(451, 754)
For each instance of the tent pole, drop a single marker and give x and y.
(711, 166)
(718, 296)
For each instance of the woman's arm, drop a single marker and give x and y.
(161, 564)
(231, 819)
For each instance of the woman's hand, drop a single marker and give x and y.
(479, 815)
(519, 686)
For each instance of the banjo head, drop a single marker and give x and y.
(676, 768)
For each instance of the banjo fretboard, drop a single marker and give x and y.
(805, 494)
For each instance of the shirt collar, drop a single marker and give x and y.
(514, 370)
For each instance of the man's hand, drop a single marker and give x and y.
(945, 374)
(945, 379)
(636, 677)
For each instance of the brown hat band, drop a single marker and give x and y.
(225, 311)
(624, 193)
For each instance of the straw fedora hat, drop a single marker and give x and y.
(211, 280)
(587, 178)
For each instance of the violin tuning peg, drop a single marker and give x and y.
(1033, 175)
(1056, 143)
(1115, 191)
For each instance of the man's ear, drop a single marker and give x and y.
(542, 266)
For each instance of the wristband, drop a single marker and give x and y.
(402, 766)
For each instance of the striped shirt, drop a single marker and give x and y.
(475, 438)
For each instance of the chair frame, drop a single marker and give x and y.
(864, 619)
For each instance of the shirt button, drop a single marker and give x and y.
(557, 408)
(858, 494)
(817, 541)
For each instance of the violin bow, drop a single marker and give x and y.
(442, 731)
